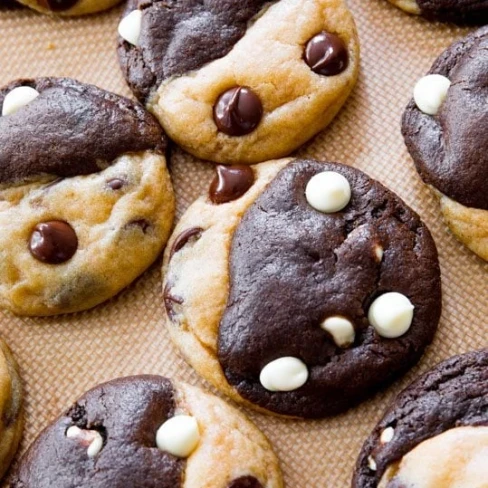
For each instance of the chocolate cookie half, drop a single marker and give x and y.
(459, 11)
(148, 431)
(69, 7)
(445, 128)
(435, 435)
(240, 81)
(300, 287)
(86, 202)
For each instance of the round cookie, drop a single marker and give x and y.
(445, 128)
(69, 7)
(148, 431)
(300, 287)
(459, 11)
(435, 435)
(11, 410)
(240, 81)
(86, 202)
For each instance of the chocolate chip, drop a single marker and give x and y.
(170, 300)
(53, 242)
(57, 5)
(326, 54)
(115, 183)
(184, 237)
(245, 482)
(238, 111)
(230, 183)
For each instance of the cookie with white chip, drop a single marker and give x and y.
(445, 128)
(300, 287)
(240, 81)
(149, 431)
(435, 435)
(69, 7)
(86, 202)
(459, 11)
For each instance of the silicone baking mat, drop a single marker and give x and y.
(62, 357)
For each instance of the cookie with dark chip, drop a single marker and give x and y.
(69, 7)
(86, 202)
(445, 127)
(240, 81)
(146, 432)
(435, 435)
(300, 287)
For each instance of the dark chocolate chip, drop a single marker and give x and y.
(170, 300)
(326, 54)
(115, 183)
(57, 5)
(230, 183)
(245, 482)
(238, 111)
(53, 242)
(184, 237)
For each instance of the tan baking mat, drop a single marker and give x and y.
(62, 357)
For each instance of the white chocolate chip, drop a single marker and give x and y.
(341, 330)
(16, 99)
(378, 252)
(372, 464)
(179, 435)
(391, 315)
(328, 192)
(91, 439)
(387, 435)
(284, 374)
(430, 92)
(130, 27)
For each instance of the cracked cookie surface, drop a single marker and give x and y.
(184, 57)
(69, 7)
(127, 415)
(253, 278)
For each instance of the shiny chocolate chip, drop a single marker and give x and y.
(183, 239)
(326, 54)
(238, 111)
(57, 5)
(230, 183)
(53, 242)
(170, 301)
(245, 482)
(115, 183)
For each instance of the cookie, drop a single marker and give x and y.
(69, 7)
(148, 431)
(11, 410)
(445, 128)
(86, 202)
(459, 11)
(300, 287)
(435, 435)
(240, 81)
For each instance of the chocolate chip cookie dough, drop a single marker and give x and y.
(445, 128)
(69, 7)
(435, 435)
(148, 431)
(86, 202)
(11, 411)
(300, 287)
(240, 81)
(459, 11)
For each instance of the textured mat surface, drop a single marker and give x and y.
(62, 357)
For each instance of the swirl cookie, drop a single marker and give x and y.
(300, 287)
(148, 431)
(445, 128)
(240, 81)
(69, 7)
(459, 11)
(11, 417)
(435, 435)
(86, 202)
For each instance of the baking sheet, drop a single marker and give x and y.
(62, 357)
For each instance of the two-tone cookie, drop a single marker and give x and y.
(445, 128)
(86, 202)
(435, 435)
(300, 287)
(459, 11)
(69, 7)
(11, 411)
(148, 431)
(240, 81)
